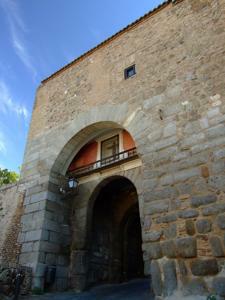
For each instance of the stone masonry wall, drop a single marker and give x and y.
(174, 108)
(11, 210)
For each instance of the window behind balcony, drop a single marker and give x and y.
(110, 147)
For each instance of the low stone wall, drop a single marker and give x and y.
(11, 210)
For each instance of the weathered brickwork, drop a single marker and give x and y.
(174, 108)
(11, 210)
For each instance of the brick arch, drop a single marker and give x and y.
(88, 124)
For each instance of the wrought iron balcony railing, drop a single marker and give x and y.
(104, 163)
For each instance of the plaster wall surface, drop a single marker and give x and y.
(174, 108)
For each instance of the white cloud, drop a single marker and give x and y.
(7, 104)
(22, 52)
(11, 7)
(18, 31)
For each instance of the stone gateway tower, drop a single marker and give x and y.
(124, 169)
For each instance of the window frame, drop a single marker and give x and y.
(112, 137)
(126, 71)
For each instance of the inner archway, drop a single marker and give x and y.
(115, 253)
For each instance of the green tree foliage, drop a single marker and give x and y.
(7, 176)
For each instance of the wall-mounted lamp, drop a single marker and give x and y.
(72, 183)
(68, 186)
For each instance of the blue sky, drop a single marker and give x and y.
(38, 37)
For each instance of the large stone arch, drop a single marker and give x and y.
(87, 195)
(46, 211)
(83, 215)
(95, 121)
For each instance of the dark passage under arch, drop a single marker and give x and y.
(115, 253)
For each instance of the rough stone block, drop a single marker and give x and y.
(30, 208)
(213, 210)
(153, 101)
(147, 222)
(155, 250)
(164, 143)
(51, 226)
(218, 154)
(193, 140)
(190, 227)
(182, 268)
(204, 267)
(152, 236)
(203, 226)
(28, 258)
(166, 180)
(216, 131)
(27, 247)
(203, 200)
(185, 214)
(169, 249)
(221, 221)
(38, 197)
(32, 221)
(167, 218)
(186, 174)
(156, 278)
(33, 235)
(164, 193)
(216, 246)
(36, 246)
(171, 231)
(49, 247)
(217, 182)
(184, 188)
(156, 207)
(186, 247)
(170, 129)
(218, 167)
(170, 277)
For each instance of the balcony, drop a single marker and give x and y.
(104, 163)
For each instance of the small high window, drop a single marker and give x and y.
(129, 72)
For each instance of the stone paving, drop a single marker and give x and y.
(134, 290)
